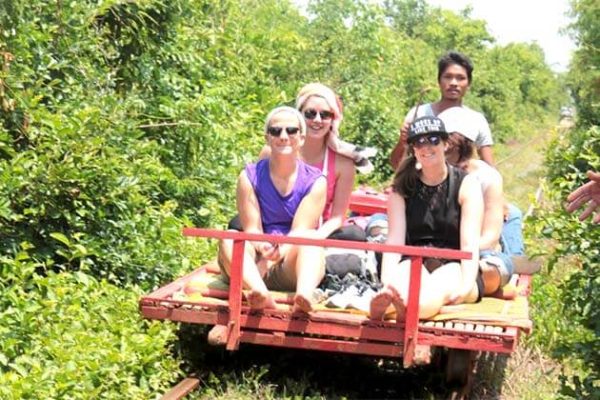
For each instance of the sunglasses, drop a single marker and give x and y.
(422, 141)
(276, 130)
(312, 114)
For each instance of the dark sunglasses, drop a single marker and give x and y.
(421, 141)
(276, 130)
(312, 114)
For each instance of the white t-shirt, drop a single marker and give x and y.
(486, 175)
(484, 136)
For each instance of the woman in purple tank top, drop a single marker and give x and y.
(323, 113)
(280, 195)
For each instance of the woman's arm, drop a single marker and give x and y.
(341, 196)
(471, 207)
(486, 154)
(398, 152)
(311, 207)
(247, 205)
(308, 213)
(249, 211)
(396, 210)
(493, 214)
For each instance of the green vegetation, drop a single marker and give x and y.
(121, 122)
(567, 299)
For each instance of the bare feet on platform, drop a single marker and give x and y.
(386, 302)
(302, 303)
(260, 300)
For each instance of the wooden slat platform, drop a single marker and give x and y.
(327, 330)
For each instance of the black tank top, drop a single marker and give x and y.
(433, 213)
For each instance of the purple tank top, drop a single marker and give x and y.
(277, 211)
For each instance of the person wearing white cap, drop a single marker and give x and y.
(499, 255)
(455, 73)
(432, 204)
(497, 269)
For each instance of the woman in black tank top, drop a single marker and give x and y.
(432, 204)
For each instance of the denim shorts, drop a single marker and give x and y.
(500, 260)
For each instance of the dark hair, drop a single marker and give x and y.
(405, 179)
(463, 146)
(454, 57)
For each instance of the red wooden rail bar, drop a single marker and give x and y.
(297, 342)
(412, 311)
(328, 325)
(235, 294)
(431, 252)
(235, 287)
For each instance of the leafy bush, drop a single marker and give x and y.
(121, 122)
(72, 336)
(576, 296)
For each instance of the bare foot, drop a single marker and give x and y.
(380, 304)
(386, 302)
(302, 303)
(260, 300)
(400, 308)
(507, 292)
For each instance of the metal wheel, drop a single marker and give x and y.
(459, 372)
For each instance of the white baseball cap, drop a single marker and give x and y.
(459, 120)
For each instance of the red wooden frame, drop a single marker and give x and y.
(326, 330)
(367, 202)
(235, 288)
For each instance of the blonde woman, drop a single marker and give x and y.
(280, 195)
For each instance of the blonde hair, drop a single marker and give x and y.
(319, 90)
(287, 109)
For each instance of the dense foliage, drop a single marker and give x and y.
(574, 294)
(121, 122)
(71, 336)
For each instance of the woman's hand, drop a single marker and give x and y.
(588, 194)
(404, 132)
(268, 251)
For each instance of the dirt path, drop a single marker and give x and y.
(522, 165)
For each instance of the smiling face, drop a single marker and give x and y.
(318, 116)
(284, 134)
(454, 82)
(428, 153)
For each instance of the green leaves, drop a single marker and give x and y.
(574, 257)
(81, 337)
(121, 122)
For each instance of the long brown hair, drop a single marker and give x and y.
(405, 179)
(464, 147)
